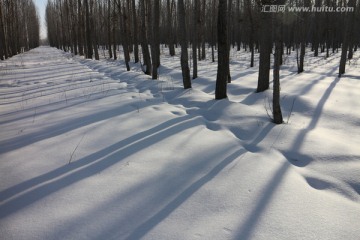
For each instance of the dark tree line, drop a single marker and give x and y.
(19, 27)
(86, 27)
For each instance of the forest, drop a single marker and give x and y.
(19, 27)
(85, 27)
(179, 119)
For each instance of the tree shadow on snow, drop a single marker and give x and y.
(303, 160)
(19, 196)
(247, 229)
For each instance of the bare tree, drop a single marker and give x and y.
(114, 29)
(135, 29)
(223, 52)
(170, 38)
(196, 19)
(144, 39)
(124, 30)
(19, 27)
(303, 36)
(89, 53)
(265, 49)
(184, 45)
(3, 45)
(155, 42)
(277, 115)
(347, 35)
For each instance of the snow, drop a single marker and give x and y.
(90, 151)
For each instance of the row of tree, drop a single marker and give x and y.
(19, 27)
(84, 26)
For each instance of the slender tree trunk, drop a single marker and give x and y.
(223, 52)
(80, 29)
(94, 39)
(89, 53)
(303, 26)
(347, 35)
(3, 47)
(238, 20)
(316, 29)
(252, 32)
(265, 49)
(195, 38)
(202, 31)
(109, 27)
(155, 46)
(144, 40)
(277, 115)
(184, 45)
(135, 25)
(114, 30)
(213, 42)
(124, 31)
(229, 16)
(170, 40)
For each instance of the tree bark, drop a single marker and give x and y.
(109, 27)
(89, 53)
(135, 25)
(277, 115)
(155, 42)
(347, 36)
(114, 30)
(183, 42)
(144, 40)
(195, 38)
(3, 47)
(124, 31)
(265, 49)
(223, 52)
(169, 7)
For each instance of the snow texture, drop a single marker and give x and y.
(90, 151)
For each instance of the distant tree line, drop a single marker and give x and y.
(86, 26)
(19, 27)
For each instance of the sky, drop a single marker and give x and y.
(41, 4)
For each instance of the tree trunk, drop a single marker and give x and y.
(252, 33)
(316, 29)
(170, 39)
(183, 42)
(265, 49)
(229, 12)
(94, 39)
(347, 36)
(202, 31)
(135, 25)
(144, 40)
(195, 38)
(89, 53)
(213, 31)
(109, 28)
(223, 52)
(3, 47)
(155, 42)
(114, 31)
(277, 115)
(124, 31)
(80, 29)
(303, 26)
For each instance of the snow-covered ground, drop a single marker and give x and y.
(90, 151)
